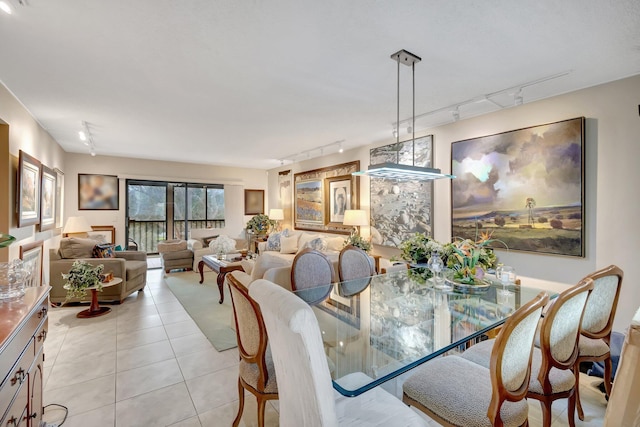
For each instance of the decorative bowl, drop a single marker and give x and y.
(481, 286)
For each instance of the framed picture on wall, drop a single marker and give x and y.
(47, 198)
(31, 256)
(97, 192)
(253, 202)
(28, 190)
(108, 232)
(337, 198)
(309, 202)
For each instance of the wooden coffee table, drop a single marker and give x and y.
(220, 267)
(94, 309)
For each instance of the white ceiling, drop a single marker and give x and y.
(249, 82)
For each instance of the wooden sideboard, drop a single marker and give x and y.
(23, 329)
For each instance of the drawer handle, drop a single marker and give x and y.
(18, 377)
(35, 414)
(42, 313)
(42, 335)
(11, 421)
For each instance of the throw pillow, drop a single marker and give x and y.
(103, 251)
(75, 247)
(306, 238)
(318, 244)
(266, 262)
(273, 242)
(207, 240)
(335, 243)
(288, 245)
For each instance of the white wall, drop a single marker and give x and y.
(235, 180)
(26, 134)
(611, 174)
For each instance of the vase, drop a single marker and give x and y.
(12, 280)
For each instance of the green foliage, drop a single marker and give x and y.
(6, 240)
(358, 241)
(418, 248)
(82, 276)
(260, 224)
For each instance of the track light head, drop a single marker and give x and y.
(340, 148)
(456, 114)
(518, 98)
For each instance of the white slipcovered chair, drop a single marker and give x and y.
(306, 395)
(597, 323)
(552, 363)
(457, 392)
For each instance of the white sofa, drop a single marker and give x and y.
(200, 238)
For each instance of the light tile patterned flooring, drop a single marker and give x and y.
(147, 364)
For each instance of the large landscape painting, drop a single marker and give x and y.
(399, 209)
(525, 186)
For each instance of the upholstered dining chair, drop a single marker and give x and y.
(595, 333)
(307, 397)
(311, 268)
(457, 392)
(552, 363)
(355, 269)
(256, 371)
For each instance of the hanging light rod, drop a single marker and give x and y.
(87, 139)
(516, 91)
(320, 151)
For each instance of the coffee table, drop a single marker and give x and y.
(94, 309)
(221, 267)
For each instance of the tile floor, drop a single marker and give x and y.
(147, 364)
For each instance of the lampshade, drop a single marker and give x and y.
(76, 224)
(276, 214)
(355, 217)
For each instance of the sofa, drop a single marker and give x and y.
(200, 239)
(131, 266)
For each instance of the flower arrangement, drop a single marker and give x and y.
(260, 224)
(82, 276)
(359, 242)
(222, 245)
(418, 249)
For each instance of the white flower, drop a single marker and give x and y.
(222, 243)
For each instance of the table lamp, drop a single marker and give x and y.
(277, 215)
(356, 218)
(76, 226)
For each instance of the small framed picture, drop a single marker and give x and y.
(309, 207)
(338, 198)
(98, 192)
(28, 190)
(253, 202)
(47, 199)
(31, 256)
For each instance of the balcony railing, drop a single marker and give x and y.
(147, 234)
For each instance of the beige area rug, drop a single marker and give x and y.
(201, 302)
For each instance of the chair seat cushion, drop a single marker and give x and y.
(459, 391)
(249, 372)
(375, 407)
(592, 347)
(135, 269)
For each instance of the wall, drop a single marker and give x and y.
(20, 131)
(611, 172)
(235, 180)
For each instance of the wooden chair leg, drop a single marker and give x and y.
(576, 373)
(261, 408)
(571, 409)
(546, 413)
(607, 375)
(236, 422)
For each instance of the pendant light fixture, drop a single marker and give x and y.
(397, 170)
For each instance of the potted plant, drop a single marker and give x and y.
(418, 249)
(81, 277)
(359, 242)
(260, 224)
(470, 260)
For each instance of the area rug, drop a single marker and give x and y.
(201, 302)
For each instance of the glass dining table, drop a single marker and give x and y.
(388, 324)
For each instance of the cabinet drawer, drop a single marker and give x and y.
(18, 408)
(17, 378)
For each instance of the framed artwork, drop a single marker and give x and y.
(315, 207)
(28, 190)
(107, 231)
(59, 198)
(309, 202)
(337, 198)
(524, 187)
(31, 256)
(253, 202)
(98, 192)
(47, 198)
(399, 209)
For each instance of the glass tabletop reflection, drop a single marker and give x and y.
(388, 324)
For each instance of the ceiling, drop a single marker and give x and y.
(251, 82)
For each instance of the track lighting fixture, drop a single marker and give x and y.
(395, 133)
(340, 148)
(518, 99)
(6, 7)
(456, 114)
(86, 138)
(315, 152)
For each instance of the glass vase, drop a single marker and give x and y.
(12, 280)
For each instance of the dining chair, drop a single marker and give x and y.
(307, 397)
(311, 268)
(552, 363)
(355, 269)
(458, 392)
(256, 371)
(597, 323)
